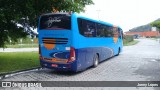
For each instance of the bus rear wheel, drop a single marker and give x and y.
(95, 60)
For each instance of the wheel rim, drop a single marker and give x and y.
(96, 61)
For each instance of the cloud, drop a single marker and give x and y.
(125, 13)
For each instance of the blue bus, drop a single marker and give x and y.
(71, 42)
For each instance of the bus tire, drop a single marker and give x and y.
(118, 52)
(95, 60)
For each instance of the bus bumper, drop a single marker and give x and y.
(59, 66)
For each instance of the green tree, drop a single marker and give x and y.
(13, 12)
(156, 24)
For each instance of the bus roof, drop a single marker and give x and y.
(55, 13)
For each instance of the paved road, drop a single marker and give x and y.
(140, 62)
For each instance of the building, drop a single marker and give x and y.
(144, 34)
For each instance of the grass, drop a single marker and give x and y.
(14, 61)
(153, 38)
(130, 43)
(22, 46)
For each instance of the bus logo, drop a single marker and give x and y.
(52, 20)
(49, 43)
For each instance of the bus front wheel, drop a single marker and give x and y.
(95, 60)
(118, 52)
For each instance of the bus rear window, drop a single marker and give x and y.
(55, 22)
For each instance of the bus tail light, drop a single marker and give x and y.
(40, 57)
(72, 55)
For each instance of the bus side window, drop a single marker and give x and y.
(115, 32)
(110, 31)
(87, 28)
(91, 29)
(119, 33)
(104, 31)
(80, 27)
(99, 30)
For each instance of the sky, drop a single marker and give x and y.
(125, 13)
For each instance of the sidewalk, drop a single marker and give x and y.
(18, 49)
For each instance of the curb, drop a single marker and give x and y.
(6, 75)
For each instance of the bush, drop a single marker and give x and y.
(24, 41)
(128, 38)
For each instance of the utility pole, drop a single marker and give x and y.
(98, 11)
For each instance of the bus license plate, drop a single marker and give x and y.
(54, 65)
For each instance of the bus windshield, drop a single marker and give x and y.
(55, 22)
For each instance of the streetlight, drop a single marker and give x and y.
(21, 41)
(10, 41)
(5, 31)
(32, 42)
